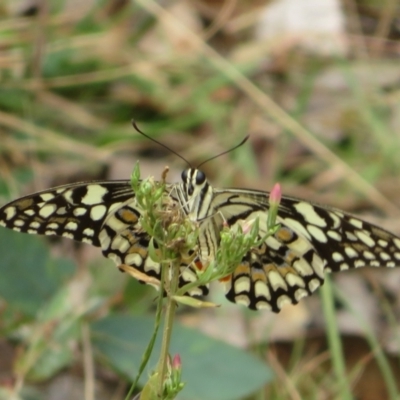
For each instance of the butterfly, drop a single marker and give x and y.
(288, 265)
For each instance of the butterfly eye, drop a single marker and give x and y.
(184, 175)
(200, 177)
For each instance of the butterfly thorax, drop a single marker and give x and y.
(195, 195)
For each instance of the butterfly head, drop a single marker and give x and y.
(196, 190)
(193, 181)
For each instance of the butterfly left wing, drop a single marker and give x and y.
(76, 211)
(102, 213)
(311, 240)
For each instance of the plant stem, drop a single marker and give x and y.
(168, 324)
(335, 344)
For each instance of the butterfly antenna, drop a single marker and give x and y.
(226, 151)
(159, 143)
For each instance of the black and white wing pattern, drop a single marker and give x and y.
(287, 266)
(310, 241)
(76, 211)
(101, 213)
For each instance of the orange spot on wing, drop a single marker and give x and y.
(242, 269)
(284, 234)
(137, 249)
(199, 265)
(226, 278)
(269, 267)
(128, 216)
(258, 276)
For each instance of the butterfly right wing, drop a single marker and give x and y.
(311, 240)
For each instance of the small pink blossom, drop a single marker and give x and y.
(275, 195)
(176, 362)
(246, 226)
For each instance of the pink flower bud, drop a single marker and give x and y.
(246, 226)
(275, 195)
(176, 362)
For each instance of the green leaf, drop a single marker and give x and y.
(26, 393)
(52, 360)
(13, 99)
(211, 369)
(29, 276)
(50, 347)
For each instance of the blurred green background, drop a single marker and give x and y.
(316, 84)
